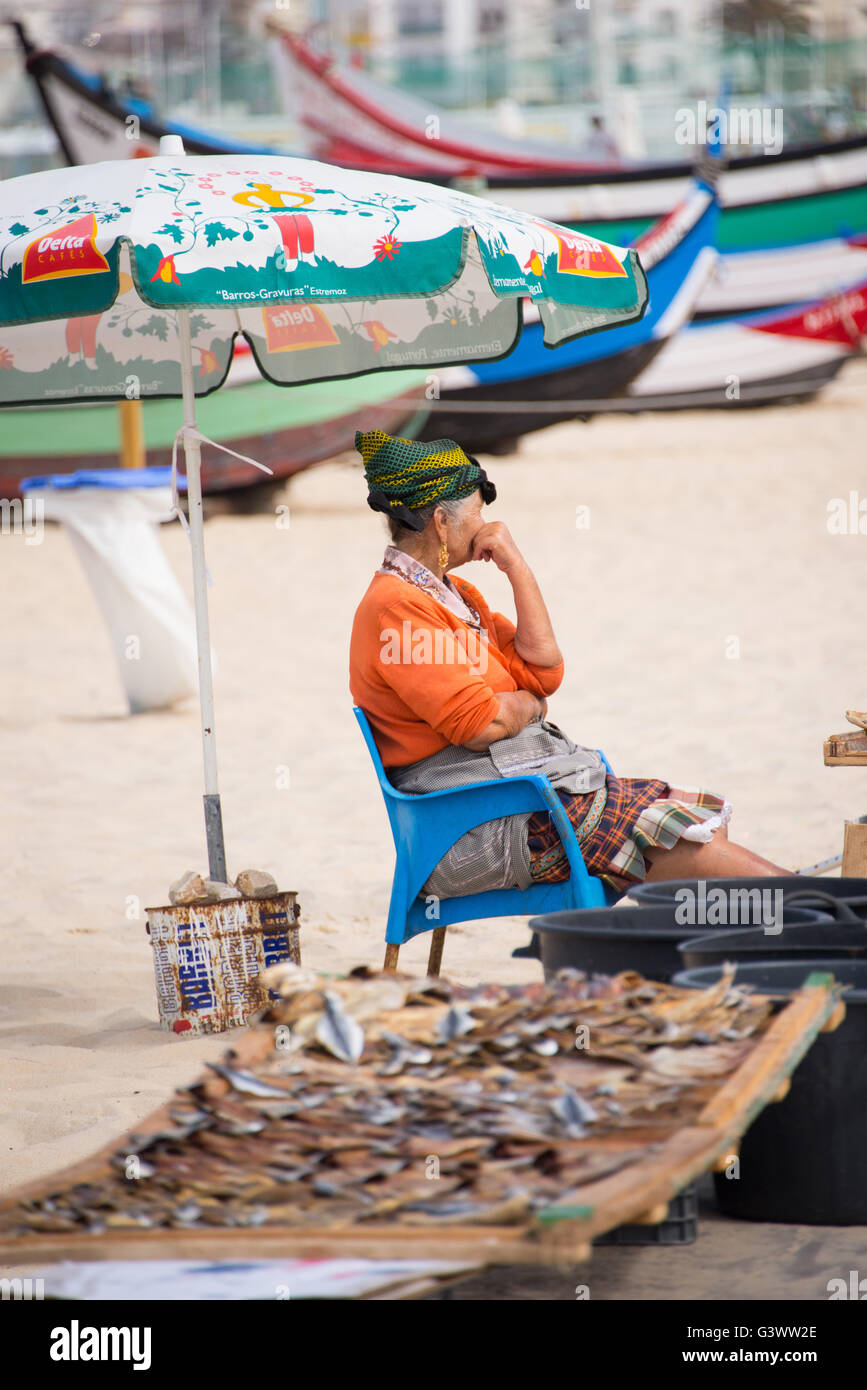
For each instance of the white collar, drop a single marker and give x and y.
(443, 590)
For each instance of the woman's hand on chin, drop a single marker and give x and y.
(494, 541)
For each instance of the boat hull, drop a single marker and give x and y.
(490, 403)
(763, 359)
(470, 415)
(286, 428)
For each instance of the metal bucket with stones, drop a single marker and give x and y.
(208, 959)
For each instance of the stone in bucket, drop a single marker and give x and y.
(211, 945)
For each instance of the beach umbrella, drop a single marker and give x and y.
(131, 279)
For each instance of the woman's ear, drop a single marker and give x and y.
(440, 520)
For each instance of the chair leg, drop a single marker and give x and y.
(435, 959)
(391, 955)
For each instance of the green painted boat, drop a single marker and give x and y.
(842, 212)
(286, 428)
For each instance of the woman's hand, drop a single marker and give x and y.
(534, 635)
(494, 541)
(517, 709)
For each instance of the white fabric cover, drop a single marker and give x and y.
(150, 623)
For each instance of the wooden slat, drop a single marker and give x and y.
(477, 1244)
(625, 1196)
(854, 850)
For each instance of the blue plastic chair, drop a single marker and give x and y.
(425, 828)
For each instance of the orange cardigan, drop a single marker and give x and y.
(408, 669)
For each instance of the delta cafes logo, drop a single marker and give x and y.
(68, 250)
(585, 257)
(293, 326)
(580, 255)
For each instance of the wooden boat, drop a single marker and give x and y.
(796, 196)
(490, 403)
(288, 429)
(793, 224)
(782, 357)
(761, 359)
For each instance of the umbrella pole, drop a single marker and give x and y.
(192, 454)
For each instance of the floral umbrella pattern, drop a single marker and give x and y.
(327, 272)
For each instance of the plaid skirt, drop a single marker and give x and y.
(616, 824)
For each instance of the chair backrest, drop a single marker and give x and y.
(372, 749)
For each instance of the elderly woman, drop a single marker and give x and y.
(456, 694)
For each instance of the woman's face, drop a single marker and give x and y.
(460, 530)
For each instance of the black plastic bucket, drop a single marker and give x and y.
(803, 1160)
(810, 891)
(606, 940)
(827, 939)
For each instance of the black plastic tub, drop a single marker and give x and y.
(827, 939)
(805, 1157)
(606, 940)
(810, 891)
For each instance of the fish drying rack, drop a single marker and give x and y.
(638, 1194)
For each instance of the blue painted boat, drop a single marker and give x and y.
(488, 405)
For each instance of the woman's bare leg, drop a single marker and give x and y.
(719, 858)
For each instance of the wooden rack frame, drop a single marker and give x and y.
(560, 1235)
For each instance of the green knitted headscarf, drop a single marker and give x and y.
(404, 475)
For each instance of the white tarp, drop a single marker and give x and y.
(115, 533)
(175, 1280)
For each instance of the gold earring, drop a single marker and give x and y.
(444, 556)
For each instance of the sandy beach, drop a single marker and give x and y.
(709, 621)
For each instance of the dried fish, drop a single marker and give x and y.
(383, 1113)
(403, 1053)
(532, 1027)
(239, 1127)
(574, 1110)
(454, 1024)
(187, 1214)
(304, 1141)
(253, 1216)
(279, 1173)
(311, 1101)
(339, 1033)
(189, 1116)
(278, 1110)
(246, 1083)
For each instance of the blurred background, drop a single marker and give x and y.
(600, 115)
(523, 67)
